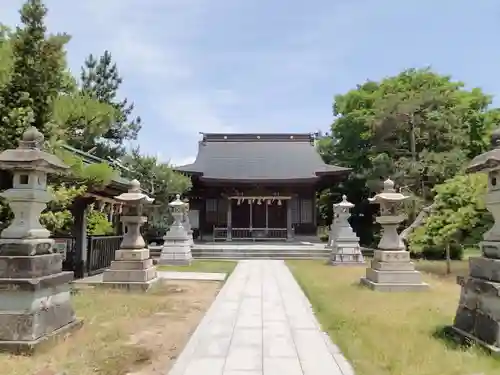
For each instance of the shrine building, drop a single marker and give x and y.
(257, 186)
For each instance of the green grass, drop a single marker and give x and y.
(220, 266)
(438, 268)
(390, 333)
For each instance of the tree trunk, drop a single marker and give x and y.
(448, 259)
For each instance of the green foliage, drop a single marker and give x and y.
(96, 174)
(418, 127)
(81, 120)
(155, 176)
(5, 55)
(375, 123)
(459, 217)
(101, 81)
(98, 224)
(36, 77)
(57, 218)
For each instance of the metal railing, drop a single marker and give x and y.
(252, 234)
(101, 252)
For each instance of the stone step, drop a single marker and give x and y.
(261, 255)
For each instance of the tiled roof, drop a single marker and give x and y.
(259, 157)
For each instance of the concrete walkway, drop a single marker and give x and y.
(261, 323)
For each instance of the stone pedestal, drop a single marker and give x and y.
(35, 298)
(345, 244)
(177, 247)
(391, 269)
(132, 268)
(478, 313)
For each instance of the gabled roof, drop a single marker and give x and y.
(259, 157)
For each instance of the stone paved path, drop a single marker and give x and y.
(261, 323)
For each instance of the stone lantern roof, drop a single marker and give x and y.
(488, 160)
(389, 194)
(134, 194)
(177, 202)
(30, 156)
(344, 203)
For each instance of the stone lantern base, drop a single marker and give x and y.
(35, 295)
(131, 270)
(346, 253)
(393, 271)
(176, 248)
(478, 314)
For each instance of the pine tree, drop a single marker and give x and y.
(101, 80)
(37, 76)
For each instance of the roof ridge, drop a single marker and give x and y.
(257, 137)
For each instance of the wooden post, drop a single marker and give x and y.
(267, 215)
(79, 232)
(229, 233)
(289, 235)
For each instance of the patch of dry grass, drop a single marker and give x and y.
(123, 333)
(217, 266)
(389, 333)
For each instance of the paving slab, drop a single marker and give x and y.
(261, 323)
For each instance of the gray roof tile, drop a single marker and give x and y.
(259, 157)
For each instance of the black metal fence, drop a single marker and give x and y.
(100, 252)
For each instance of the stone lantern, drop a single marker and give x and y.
(35, 298)
(478, 313)
(345, 243)
(391, 269)
(187, 223)
(132, 268)
(176, 248)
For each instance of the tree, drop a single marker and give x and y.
(36, 78)
(101, 80)
(155, 176)
(418, 127)
(458, 218)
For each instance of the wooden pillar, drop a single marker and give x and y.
(267, 214)
(289, 234)
(229, 234)
(251, 214)
(79, 261)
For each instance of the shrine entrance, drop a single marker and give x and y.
(252, 217)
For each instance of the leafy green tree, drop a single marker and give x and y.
(155, 176)
(101, 80)
(458, 218)
(418, 127)
(36, 78)
(5, 55)
(81, 120)
(98, 223)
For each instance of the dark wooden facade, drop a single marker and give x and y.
(257, 186)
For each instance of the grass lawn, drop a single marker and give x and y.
(221, 266)
(390, 333)
(123, 333)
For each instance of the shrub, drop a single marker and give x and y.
(458, 219)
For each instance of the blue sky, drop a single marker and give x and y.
(195, 66)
